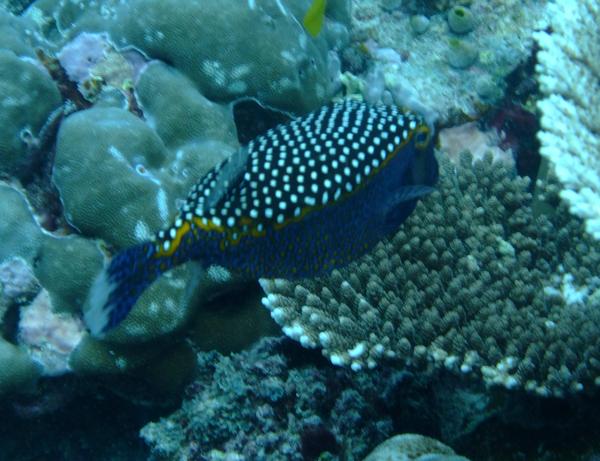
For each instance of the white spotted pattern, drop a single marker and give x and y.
(310, 162)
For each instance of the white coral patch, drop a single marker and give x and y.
(358, 350)
(337, 360)
(295, 331)
(325, 338)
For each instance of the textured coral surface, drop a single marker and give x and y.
(475, 281)
(477, 324)
(279, 401)
(569, 75)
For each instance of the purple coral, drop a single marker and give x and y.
(17, 279)
(48, 336)
(79, 56)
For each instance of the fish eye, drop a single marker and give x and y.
(422, 137)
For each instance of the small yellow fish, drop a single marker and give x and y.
(315, 17)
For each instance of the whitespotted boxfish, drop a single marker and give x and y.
(304, 198)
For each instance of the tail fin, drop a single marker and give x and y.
(120, 284)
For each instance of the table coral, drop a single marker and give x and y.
(469, 283)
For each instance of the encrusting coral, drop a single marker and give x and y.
(262, 404)
(474, 282)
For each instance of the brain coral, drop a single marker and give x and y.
(474, 281)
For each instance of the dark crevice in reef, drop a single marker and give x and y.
(253, 119)
(71, 423)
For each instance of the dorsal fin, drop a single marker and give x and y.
(227, 176)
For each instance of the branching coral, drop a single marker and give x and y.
(473, 282)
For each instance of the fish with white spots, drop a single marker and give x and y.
(302, 199)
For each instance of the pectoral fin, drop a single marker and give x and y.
(401, 203)
(406, 194)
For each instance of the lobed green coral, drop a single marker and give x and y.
(272, 64)
(17, 369)
(241, 50)
(17, 215)
(15, 34)
(178, 112)
(128, 148)
(28, 97)
(65, 266)
(124, 186)
(473, 282)
(111, 188)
